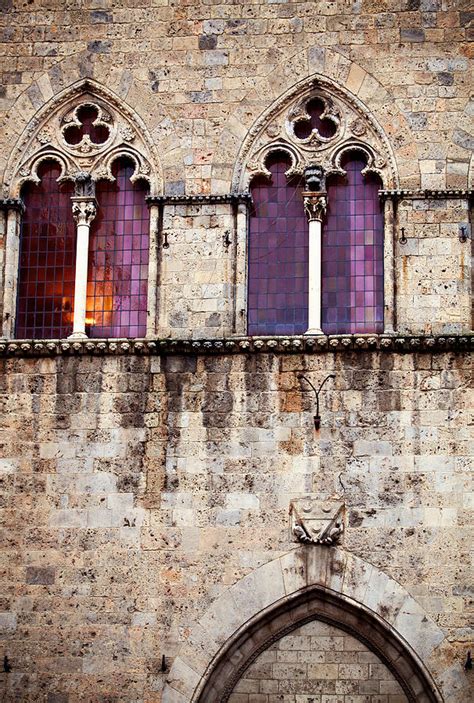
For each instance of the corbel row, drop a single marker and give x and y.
(239, 345)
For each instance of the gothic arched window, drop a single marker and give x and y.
(81, 265)
(118, 257)
(278, 254)
(352, 252)
(318, 261)
(349, 255)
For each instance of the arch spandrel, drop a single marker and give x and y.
(353, 128)
(320, 583)
(336, 74)
(46, 137)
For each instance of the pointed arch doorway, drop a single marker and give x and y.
(312, 644)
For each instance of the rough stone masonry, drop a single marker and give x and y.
(146, 484)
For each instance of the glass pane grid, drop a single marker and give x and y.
(118, 258)
(352, 256)
(278, 256)
(47, 258)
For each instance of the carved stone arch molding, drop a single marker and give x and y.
(48, 136)
(306, 584)
(352, 128)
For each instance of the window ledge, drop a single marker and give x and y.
(233, 345)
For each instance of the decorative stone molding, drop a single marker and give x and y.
(84, 186)
(426, 194)
(46, 137)
(238, 345)
(354, 129)
(205, 199)
(316, 521)
(12, 204)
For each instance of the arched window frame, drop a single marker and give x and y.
(356, 130)
(84, 163)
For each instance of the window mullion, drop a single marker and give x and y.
(315, 204)
(84, 210)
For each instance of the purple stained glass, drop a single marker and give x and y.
(352, 253)
(118, 257)
(47, 258)
(278, 255)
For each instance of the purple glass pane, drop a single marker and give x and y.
(352, 256)
(278, 255)
(118, 260)
(47, 258)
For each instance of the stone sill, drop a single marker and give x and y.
(233, 345)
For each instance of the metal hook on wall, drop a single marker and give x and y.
(403, 239)
(317, 417)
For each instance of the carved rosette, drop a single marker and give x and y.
(84, 210)
(315, 205)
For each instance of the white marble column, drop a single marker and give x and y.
(315, 204)
(389, 266)
(10, 228)
(83, 210)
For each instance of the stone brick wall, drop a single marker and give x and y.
(137, 490)
(318, 663)
(186, 67)
(432, 278)
(199, 76)
(196, 274)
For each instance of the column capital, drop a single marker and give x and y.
(12, 204)
(315, 205)
(83, 209)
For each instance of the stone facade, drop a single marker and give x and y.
(146, 484)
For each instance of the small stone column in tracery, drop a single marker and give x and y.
(315, 204)
(84, 209)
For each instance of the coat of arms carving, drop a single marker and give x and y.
(317, 521)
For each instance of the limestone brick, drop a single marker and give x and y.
(217, 491)
(317, 662)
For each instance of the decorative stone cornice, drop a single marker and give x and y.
(422, 194)
(203, 198)
(12, 204)
(238, 345)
